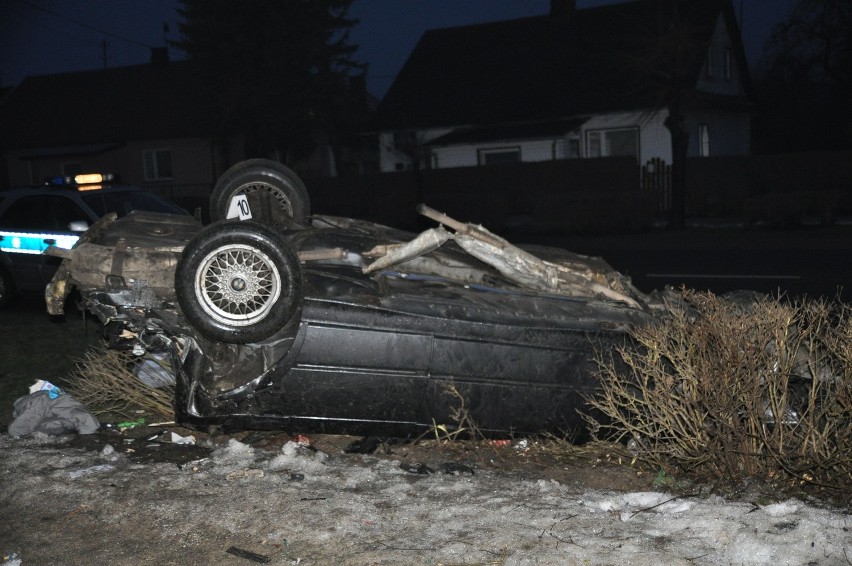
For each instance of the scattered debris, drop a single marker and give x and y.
(416, 468)
(124, 425)
(249, 473)
(50, 412)
(42, 385)
(196, 465)
(301, 440)
(178, 439)
(456, 469)
(248, 555)
(366, 445)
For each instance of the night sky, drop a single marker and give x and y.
(53, 36)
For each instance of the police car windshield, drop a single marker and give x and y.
(123, 202)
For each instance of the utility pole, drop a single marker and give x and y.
(104, 45)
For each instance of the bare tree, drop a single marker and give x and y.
(815, 41)
(664, 57)
(806, 85)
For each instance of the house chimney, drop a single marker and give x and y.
(562, 8)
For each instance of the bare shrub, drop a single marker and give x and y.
(104, 381)
(735, 389)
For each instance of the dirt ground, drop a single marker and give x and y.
(35, 347)
(138, 497)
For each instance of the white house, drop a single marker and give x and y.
(573, 84)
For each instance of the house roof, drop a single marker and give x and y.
(546, 67)
(508, 132)
(115, 105)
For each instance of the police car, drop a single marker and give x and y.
(57, 213)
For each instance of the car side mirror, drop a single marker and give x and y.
(78, 226)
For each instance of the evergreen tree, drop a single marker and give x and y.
(275, 71)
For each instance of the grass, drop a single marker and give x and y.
(33, 346)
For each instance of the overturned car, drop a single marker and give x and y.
(273, 318)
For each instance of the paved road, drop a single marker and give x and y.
(808, 261)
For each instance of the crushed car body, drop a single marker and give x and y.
(286, 320)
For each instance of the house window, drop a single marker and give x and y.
(703, 140)
(499, 155)
(728, 64)
(158, 164)
(609, 143)
(573, 147)
(710, 62)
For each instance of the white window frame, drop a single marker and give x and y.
(151, 165)
(703, 140)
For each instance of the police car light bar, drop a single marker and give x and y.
(84, 181)
(92, 178)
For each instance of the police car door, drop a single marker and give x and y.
(29, 226)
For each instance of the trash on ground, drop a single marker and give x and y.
(456, 469)
(416, 468)
(124, 425)
(178, 439)
(42, 385)
(42, 412)
(248, 555)
(155, 371)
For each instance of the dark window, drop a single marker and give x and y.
(609, 143)
(709, 63)
(43, 213)
(122, 203)
(158, 164)
(728, 64)
(499, 155)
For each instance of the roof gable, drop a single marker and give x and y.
(545, 67)
(110, 105)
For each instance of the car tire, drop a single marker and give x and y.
(276, 195)
(238, 282)
(7, 287)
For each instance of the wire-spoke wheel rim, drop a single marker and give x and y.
(280, 196)
(237, 284)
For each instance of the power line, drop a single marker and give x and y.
(85, 25)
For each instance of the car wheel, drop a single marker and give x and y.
(7, 287)
(274, 193)
(238, 282)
